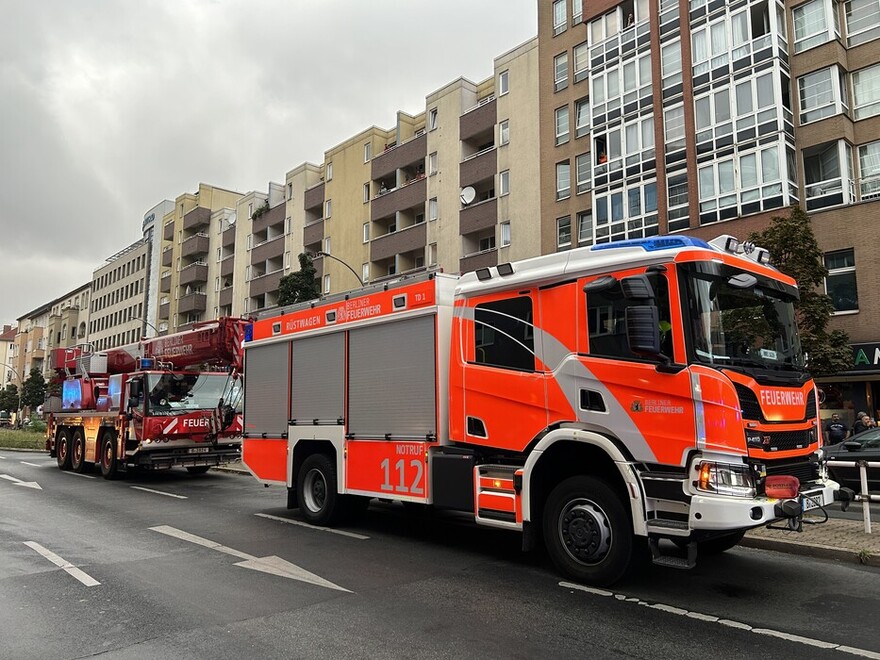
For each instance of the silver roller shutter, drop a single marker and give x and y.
(318, 388)
(392, 379)
(266, 386)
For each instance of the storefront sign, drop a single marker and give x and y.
(866, 357)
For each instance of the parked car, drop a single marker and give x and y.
(5, 419)
(864, 446)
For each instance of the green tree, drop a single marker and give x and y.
(301, 285)
(794, 250)
(9, 397)
(33, 391)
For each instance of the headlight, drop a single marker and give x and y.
(725, 479)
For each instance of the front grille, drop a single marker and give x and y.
(785, 440)
(751, 409)
(803, 469)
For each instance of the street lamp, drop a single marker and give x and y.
(353, 271)
(20, 388)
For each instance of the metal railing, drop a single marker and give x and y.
(864, 496)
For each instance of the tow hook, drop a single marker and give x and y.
(844, 496)
(793, 512)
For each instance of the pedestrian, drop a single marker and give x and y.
(835, 430)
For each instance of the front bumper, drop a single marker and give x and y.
(161, 458)
(718, 513)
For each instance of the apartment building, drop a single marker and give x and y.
(152, 234)
(7, 341)
(119, 297)
(710, 117)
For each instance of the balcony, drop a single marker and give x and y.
(197, 272)
(193, 302)
(478, 260)
(227, 266)
(478, 216)
(314, 198)
(478, 119)
(228, 237)
(405, 197)
(482, 165)
(313, 233)
(226, 297)
(198, 218)
(195, 246)
(168, 231)
(264, 284)
(270, 218)
(165, 284)
(167, 256)
(400, 156)
(269, 250)
(405, 240)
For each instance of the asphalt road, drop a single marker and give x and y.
(175, 566)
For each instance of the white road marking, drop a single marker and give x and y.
(19, 482)
(159, 492)
(271, 564)
(80, 474)
(797, 639)
(33, 464)
(69, 568)
(308, 526)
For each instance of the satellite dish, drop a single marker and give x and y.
(468, 194)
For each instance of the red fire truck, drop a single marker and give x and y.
(603, 399)
(161, 402)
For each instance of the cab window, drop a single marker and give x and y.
(504, 334)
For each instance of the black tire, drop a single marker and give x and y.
(319, 501)
(587, 531)
(109, 465)
(78, 451)
(198, 469)
(62, 449)
(721, 544)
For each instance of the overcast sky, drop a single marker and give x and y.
(107, 107)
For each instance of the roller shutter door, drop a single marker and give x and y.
(318, 388)
(266, 387)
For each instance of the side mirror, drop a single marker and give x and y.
(135, 390)
(852, 446)
(643, 330)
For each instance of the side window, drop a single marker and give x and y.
(504, 335)
(606, 319)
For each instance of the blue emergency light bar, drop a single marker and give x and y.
(655, 244)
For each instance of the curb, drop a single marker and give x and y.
(24, 450)
(818, 551)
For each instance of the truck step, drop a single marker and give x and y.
(498, 491)
(668, 527)
(672, 561)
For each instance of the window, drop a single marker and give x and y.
(560, 23)
(505, 234)
(432, 119)
(866, 92)
(486, 243)
(366, 232)
(368, 151)
(563, 180)
(328, 208)
(560, 71)
(862, 21)
(604, 27)
(583, 173)
(869, 170)
(289, 191)
(329, 171)
(670, 56)
(577, 11)
(326, 284)
(504, 334)
(822, 94)
(606, 318)
(562, 125)
(563, 232)
(504, 182)
(840, 283)
(503, 83)
(432, 163)
(327, 245)
(674, 123)
(581, 117)
(811, 24)
(366, 192)
(628, 212)
(585, 227)
(504, 132)
(677, 192)
(825, 169)
(432, 254)
(433, 210)
(365, 273)
(581, 58)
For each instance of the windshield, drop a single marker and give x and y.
(739, 319)
(170, 393)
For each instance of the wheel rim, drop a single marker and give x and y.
(62, 449)
(585, 531)
(77, 450)
(108, 454)
(315, 490)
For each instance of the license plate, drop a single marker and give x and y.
(198, 450)
(811, 501)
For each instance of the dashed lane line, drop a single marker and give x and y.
(80, 474)
(160, 492)
(671, 609)
(340, 532)
(63, 564)
(34, 464)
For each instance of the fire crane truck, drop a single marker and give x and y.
(640, 395)
(166, 401)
